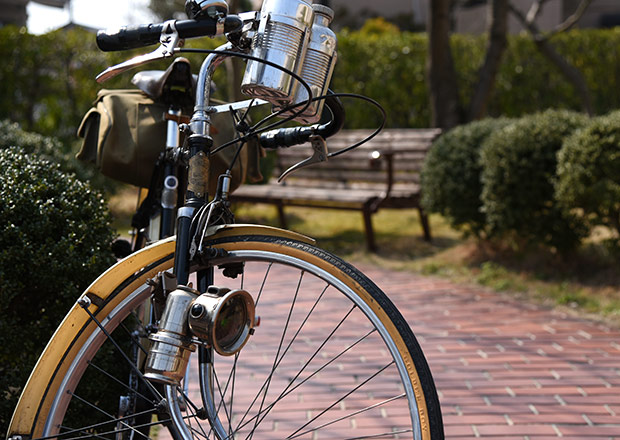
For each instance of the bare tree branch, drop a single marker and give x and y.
(572, 74)
(573, 19)
(535, 10)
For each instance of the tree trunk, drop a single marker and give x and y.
(498, 28)
(440, 67)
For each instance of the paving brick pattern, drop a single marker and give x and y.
(510, 370)
(505, 369)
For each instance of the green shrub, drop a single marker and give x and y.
(53, 150)
(451, 175)
(44, 147)
(589, 172)
(54, 240)
(391, 69)
(519, 168)
(48, 80)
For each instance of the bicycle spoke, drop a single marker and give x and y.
(195, 417)
(232, 393)
(288, 320)
(262, 287)
(288, 390)
(100, 425)
(187, 400)
(191, 413)
(90, 435)
(361, 411)
(105, 413)
(222, 399)
(317, 351)
(295, 434)
(120, 382)
(265, 385)
(156, 393)
(297, 333)
(134, 339)
(222, 393)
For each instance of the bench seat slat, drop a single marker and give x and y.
(353, 197)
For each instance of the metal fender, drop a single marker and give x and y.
(130, 272)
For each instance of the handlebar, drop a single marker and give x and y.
(131, 37)
(287, 137)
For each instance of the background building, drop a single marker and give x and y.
(470, 15)
(14, 11)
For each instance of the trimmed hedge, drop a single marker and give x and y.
(589, 172)
(54, 240)
(451, 175)
(48, 80)
(391, 69)
(44, 147)
(519, 171)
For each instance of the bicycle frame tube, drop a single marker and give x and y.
(170, 186)
(198, 171)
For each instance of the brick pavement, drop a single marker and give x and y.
(509, 370)
(506, 369)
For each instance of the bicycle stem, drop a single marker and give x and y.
(201, 121)
(200, 143)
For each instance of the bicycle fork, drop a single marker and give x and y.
(216, 319)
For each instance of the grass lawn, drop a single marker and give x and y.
(587, 282)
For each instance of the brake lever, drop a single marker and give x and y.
(169, 40)
(319, 154)
(239, 105)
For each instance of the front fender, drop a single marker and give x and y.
(105, 293)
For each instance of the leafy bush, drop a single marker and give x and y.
(44, 147)
(519, 168)
(391, 69)
(589, 172)
(54, 240)
(48, 80)
(451, 175)
(388, 67)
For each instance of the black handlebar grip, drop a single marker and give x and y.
(285, 137)
(131, 37)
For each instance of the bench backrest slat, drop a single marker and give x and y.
(408, 147)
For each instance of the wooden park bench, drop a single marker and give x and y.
(382, 173)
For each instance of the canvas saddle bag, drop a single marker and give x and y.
(125, 132)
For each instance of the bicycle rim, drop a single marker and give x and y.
(331, 358)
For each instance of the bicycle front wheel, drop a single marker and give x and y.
(332, 358)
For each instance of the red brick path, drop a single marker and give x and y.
(510, 370)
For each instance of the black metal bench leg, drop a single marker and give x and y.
(370, 233)
(425, 225)
(282, 216)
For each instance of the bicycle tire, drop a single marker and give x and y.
(41, 410)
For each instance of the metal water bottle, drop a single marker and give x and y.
(318, 65)
(282, 38)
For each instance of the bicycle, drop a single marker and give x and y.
(244, 301)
